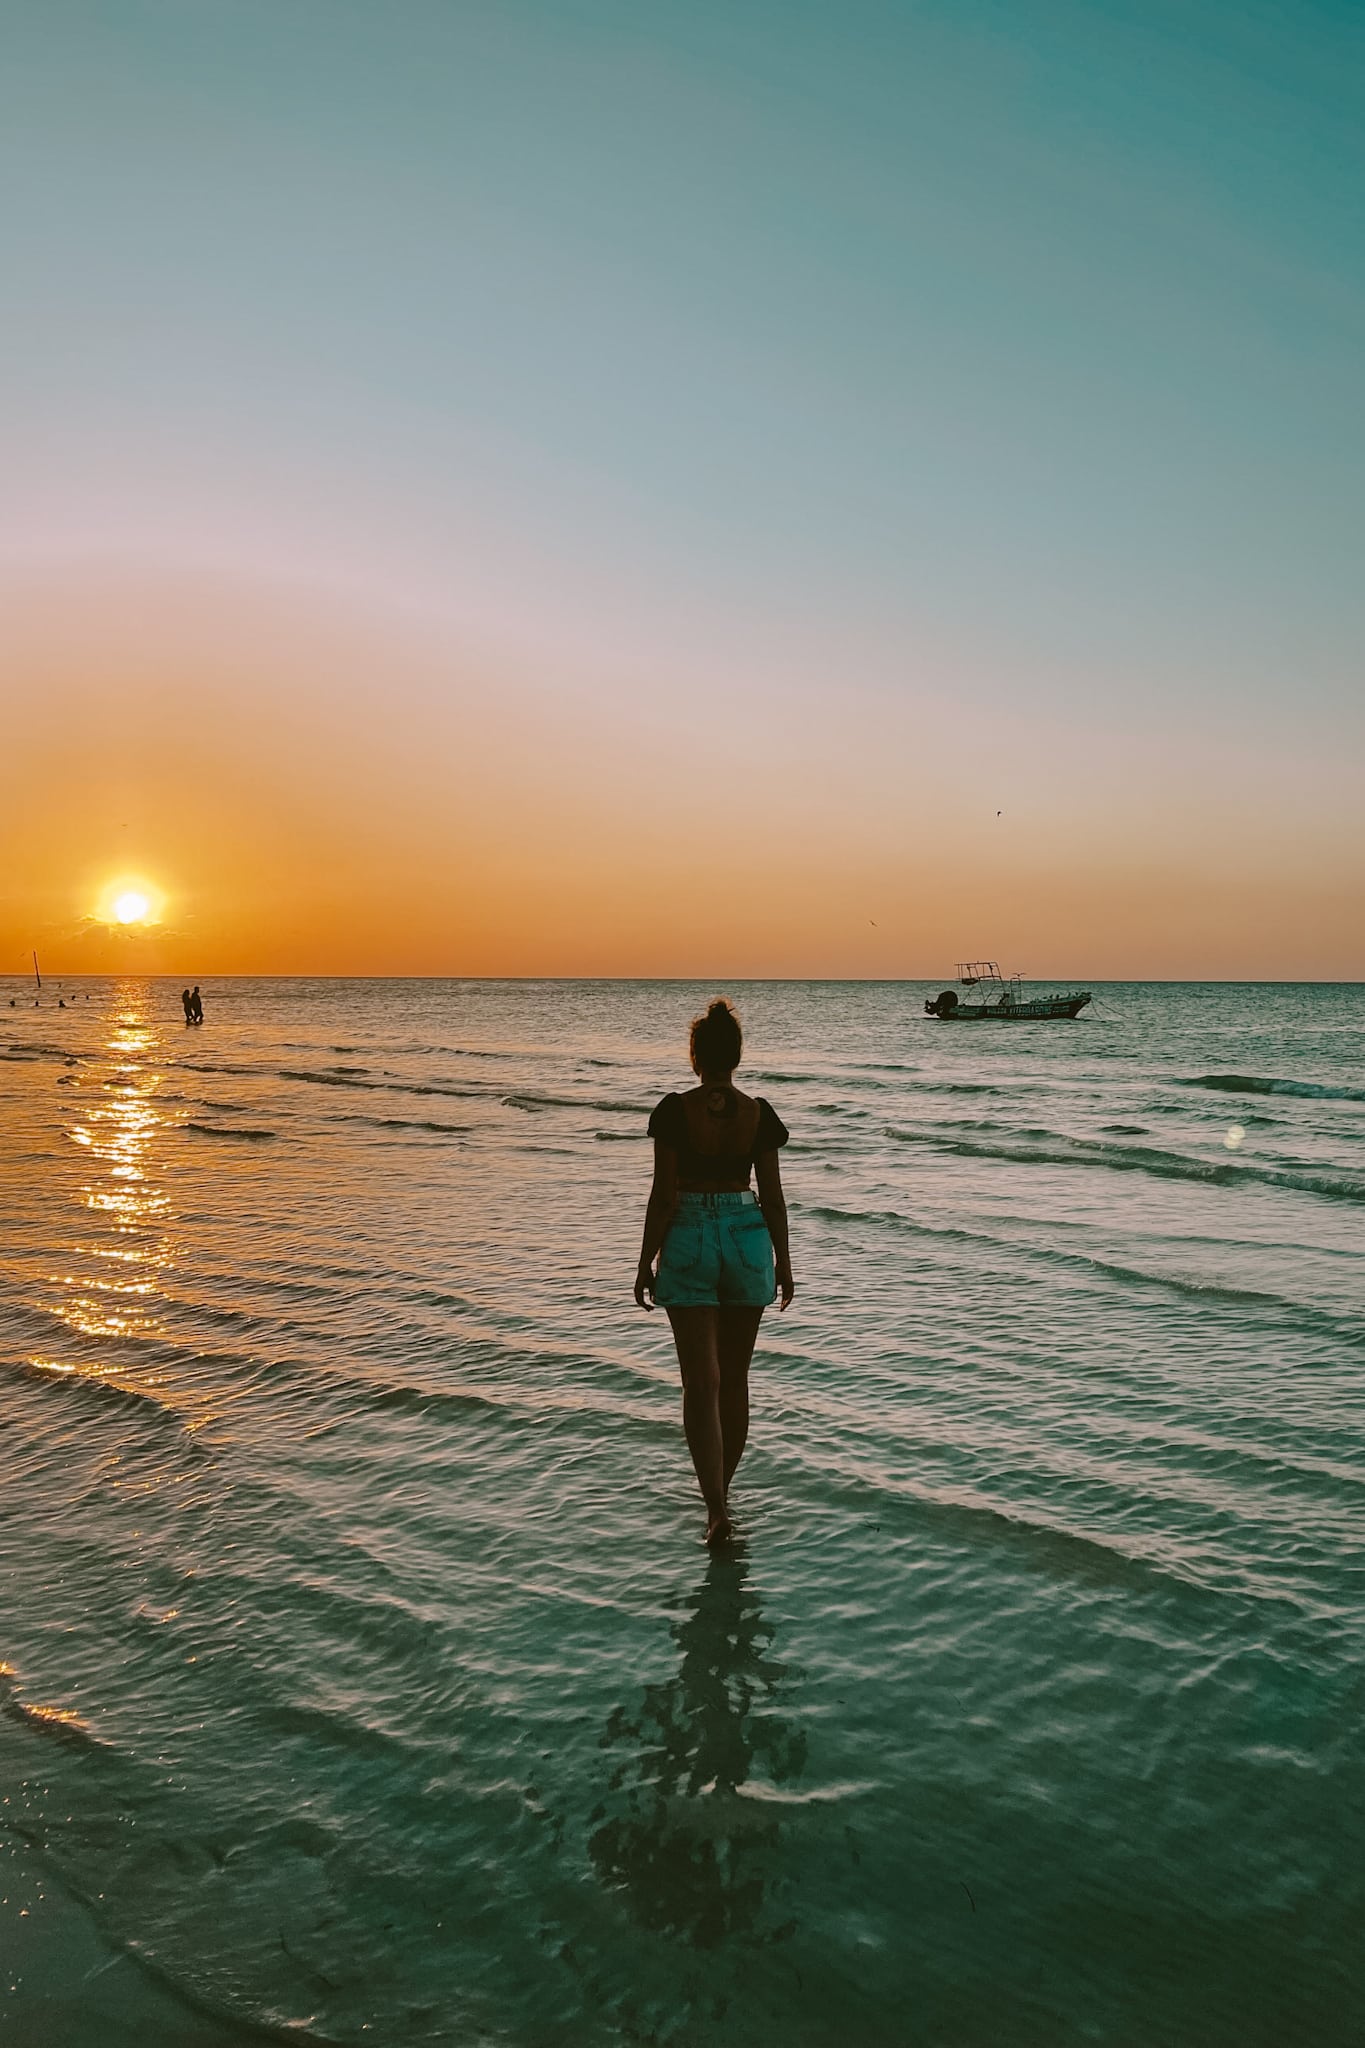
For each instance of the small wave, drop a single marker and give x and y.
(1125, 1130)
(409, 1123)
(328, 1077)
(100, 1386)
(565, 1406)
(436, 1052)
(62, 1722)
(883, 1066)
(228, 1131)
(333, 1079)
(1342, 1328)
(210, 1067)
(1264, 1084)
(1032, 1148)
(538, 1102)
(619, 1137)
(815, 1795)
(875, 1084)
(1077, 1551)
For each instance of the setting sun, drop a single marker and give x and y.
(130, 901)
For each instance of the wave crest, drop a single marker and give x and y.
(1032, 1148)
(1268, 1084)
(227, 1131)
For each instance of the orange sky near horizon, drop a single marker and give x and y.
(325, 789)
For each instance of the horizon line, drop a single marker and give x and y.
(59, 976)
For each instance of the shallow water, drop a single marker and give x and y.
(363, 1669)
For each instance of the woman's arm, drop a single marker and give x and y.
(663, 1200)
(773, 1203)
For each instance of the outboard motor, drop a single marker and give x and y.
(942, 1005)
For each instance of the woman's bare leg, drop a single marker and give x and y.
(694, 1333)
(736, 1334)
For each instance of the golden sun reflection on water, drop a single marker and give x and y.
(119, 1135)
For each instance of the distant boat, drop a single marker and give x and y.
(1002, 999)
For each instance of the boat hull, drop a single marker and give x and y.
(1035, 1010)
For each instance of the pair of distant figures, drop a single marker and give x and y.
(194, 1007)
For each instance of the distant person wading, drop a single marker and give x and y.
(723, 1254)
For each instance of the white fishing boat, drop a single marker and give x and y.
(999, 999)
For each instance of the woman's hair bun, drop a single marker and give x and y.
(716, 1039)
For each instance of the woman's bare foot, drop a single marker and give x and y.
(719, 1529)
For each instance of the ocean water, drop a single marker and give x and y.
(365, 1678)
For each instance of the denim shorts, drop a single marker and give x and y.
(717, 1254)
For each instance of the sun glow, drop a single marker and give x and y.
(130, 902)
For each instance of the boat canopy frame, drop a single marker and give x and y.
(971, 973)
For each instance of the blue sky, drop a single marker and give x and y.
(998, 360)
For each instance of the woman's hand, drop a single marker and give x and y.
(786, 1286)
(644, 1285)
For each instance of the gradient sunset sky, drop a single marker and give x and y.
(603, 488)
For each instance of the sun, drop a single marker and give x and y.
(130, 902)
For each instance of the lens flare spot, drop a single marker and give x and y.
(1234, 1137)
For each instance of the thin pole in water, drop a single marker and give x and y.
(36, 976)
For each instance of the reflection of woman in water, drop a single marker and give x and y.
(724, 1254)
(693, 1855)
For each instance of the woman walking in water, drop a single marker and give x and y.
(724, 1254)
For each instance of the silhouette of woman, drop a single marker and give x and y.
(723, 1255)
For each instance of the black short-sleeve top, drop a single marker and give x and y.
(669, 1125)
